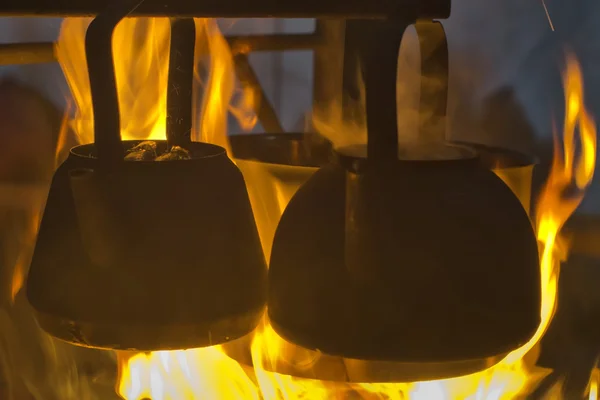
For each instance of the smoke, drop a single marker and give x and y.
(343, 120)
(501, 82)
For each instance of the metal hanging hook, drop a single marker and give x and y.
(103, 85)
(378, 44)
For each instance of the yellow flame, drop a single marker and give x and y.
(141, 57)
(146, 372)
(141, 50)
(516, 375)
(570, 175)
(593, 385)
(34, 205)
(220, 85)
(62, 144)
(24, 258)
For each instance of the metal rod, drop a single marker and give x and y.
(263, 108)
(103, 86)
(237, 9)
(37, 53)
(181, 82)
(278, 42)
(378, 45)
(26, 53)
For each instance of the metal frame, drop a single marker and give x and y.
(236, 8)
(322, 41)
(327, 41)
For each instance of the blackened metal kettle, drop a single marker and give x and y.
(155, 253)
(418, 256)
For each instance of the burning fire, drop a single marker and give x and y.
(593, 385)
(141, 49)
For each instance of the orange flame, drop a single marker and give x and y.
(515, 375)
(32, 198)
(570, 175)
(593, 385)
(219, 88)
(30, 234)
(141, 49)
(145, 376)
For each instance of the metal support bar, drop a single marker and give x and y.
(264, 110)
(279, 42)
(37, 53)
(236, 8)
(26, 53)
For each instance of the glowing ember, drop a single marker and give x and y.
(141, 50)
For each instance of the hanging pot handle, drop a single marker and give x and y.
(103, 86)
(105, 102)
(380, 46)
(181, 82)
(433, 103)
